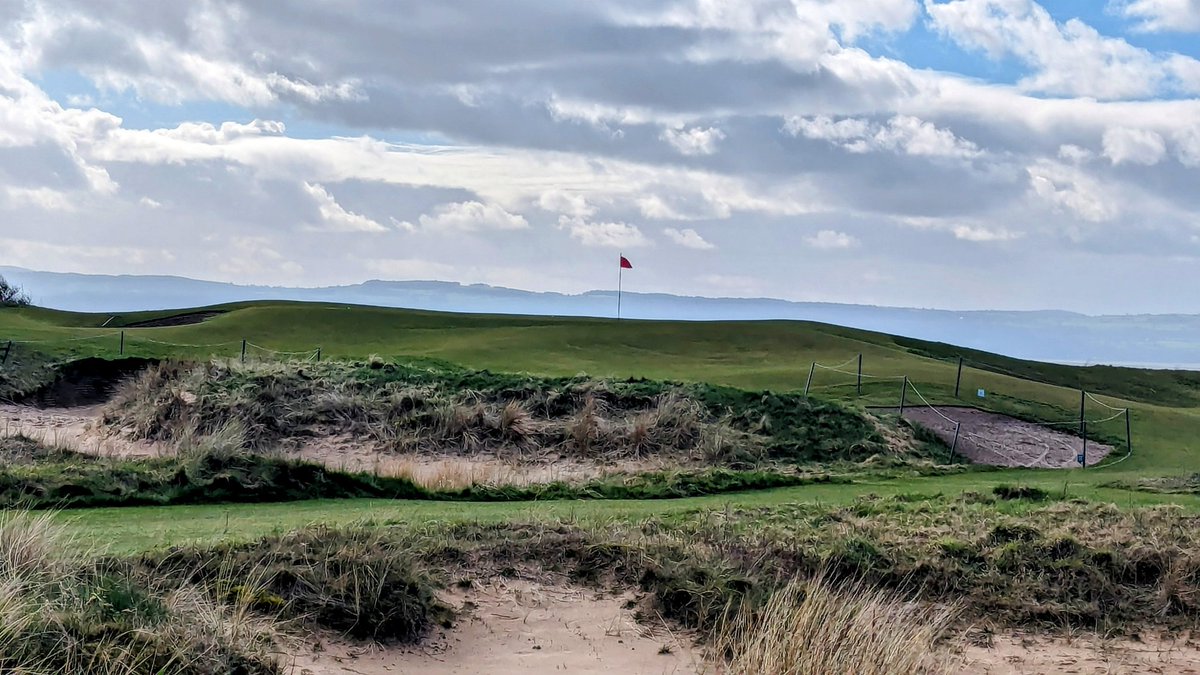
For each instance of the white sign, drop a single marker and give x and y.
(981, 394)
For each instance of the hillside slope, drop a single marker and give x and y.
(774, 355)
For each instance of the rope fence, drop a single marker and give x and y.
(126, 340)
(1081, 427)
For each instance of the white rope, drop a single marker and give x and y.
(854, 374)
(939, 412)
(180, 344)
(1127, 456)
(1108, 419)
(1099, 402)
(840, 365)
(306, 352)
(75, 339)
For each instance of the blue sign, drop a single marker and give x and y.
(981, 394)
(1079, 458)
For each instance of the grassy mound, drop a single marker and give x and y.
(407, 407)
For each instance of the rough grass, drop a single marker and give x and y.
(826, 627)
(1001, 562)
(1050, 565)
(445, 409)
(1172, 485)
(60, 614)
(356, 582)
(213, 472)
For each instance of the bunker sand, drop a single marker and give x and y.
(524, 627)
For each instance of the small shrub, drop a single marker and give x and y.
(1015, 492)
(11, 295)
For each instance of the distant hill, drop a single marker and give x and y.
(1066, 337)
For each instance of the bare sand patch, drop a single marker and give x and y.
(1023, 653)
(77, 428)
(508, 626)
(1000, 440)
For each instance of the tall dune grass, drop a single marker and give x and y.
(823, 627)
(61, 613)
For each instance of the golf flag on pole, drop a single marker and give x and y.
(621, 267)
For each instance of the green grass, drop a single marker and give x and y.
(133, 529)
(773, 355)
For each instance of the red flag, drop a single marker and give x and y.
(625, 264)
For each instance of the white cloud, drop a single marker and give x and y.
(983, 234)
(204, 132)
(1123, 145)
(1187, 146)
(610, 235)
(1074, 153)
(253, 259)
(150, 203)
(1156, 16)
(688, 238)
(1071, 58)
(1067, 188)
(965, 230)
(335, 218)
(828, 240)
(901, 134)
(110, 259)
(47, 199)
(472, 216)
(569, 203)
(694, 141)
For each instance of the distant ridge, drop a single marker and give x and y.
(1050, 335)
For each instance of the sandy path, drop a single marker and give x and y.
(1028, 654)
(524, 627)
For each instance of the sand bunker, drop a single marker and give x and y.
(80, 429)
(76, 428)
(1028, 654)
(1000, 440)
(524, 627)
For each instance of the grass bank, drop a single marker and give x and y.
(34, 476)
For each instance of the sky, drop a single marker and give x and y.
(962, 154)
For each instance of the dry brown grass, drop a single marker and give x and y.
(62, 613)
(822, 627)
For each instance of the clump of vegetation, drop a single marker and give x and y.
(444, 409)
(21, 449)
(61, 614)
(1172, 485)
(1029, 492)
(356, 582)
(12, 295)
(825, 626)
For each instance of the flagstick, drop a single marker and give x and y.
(620, 273)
